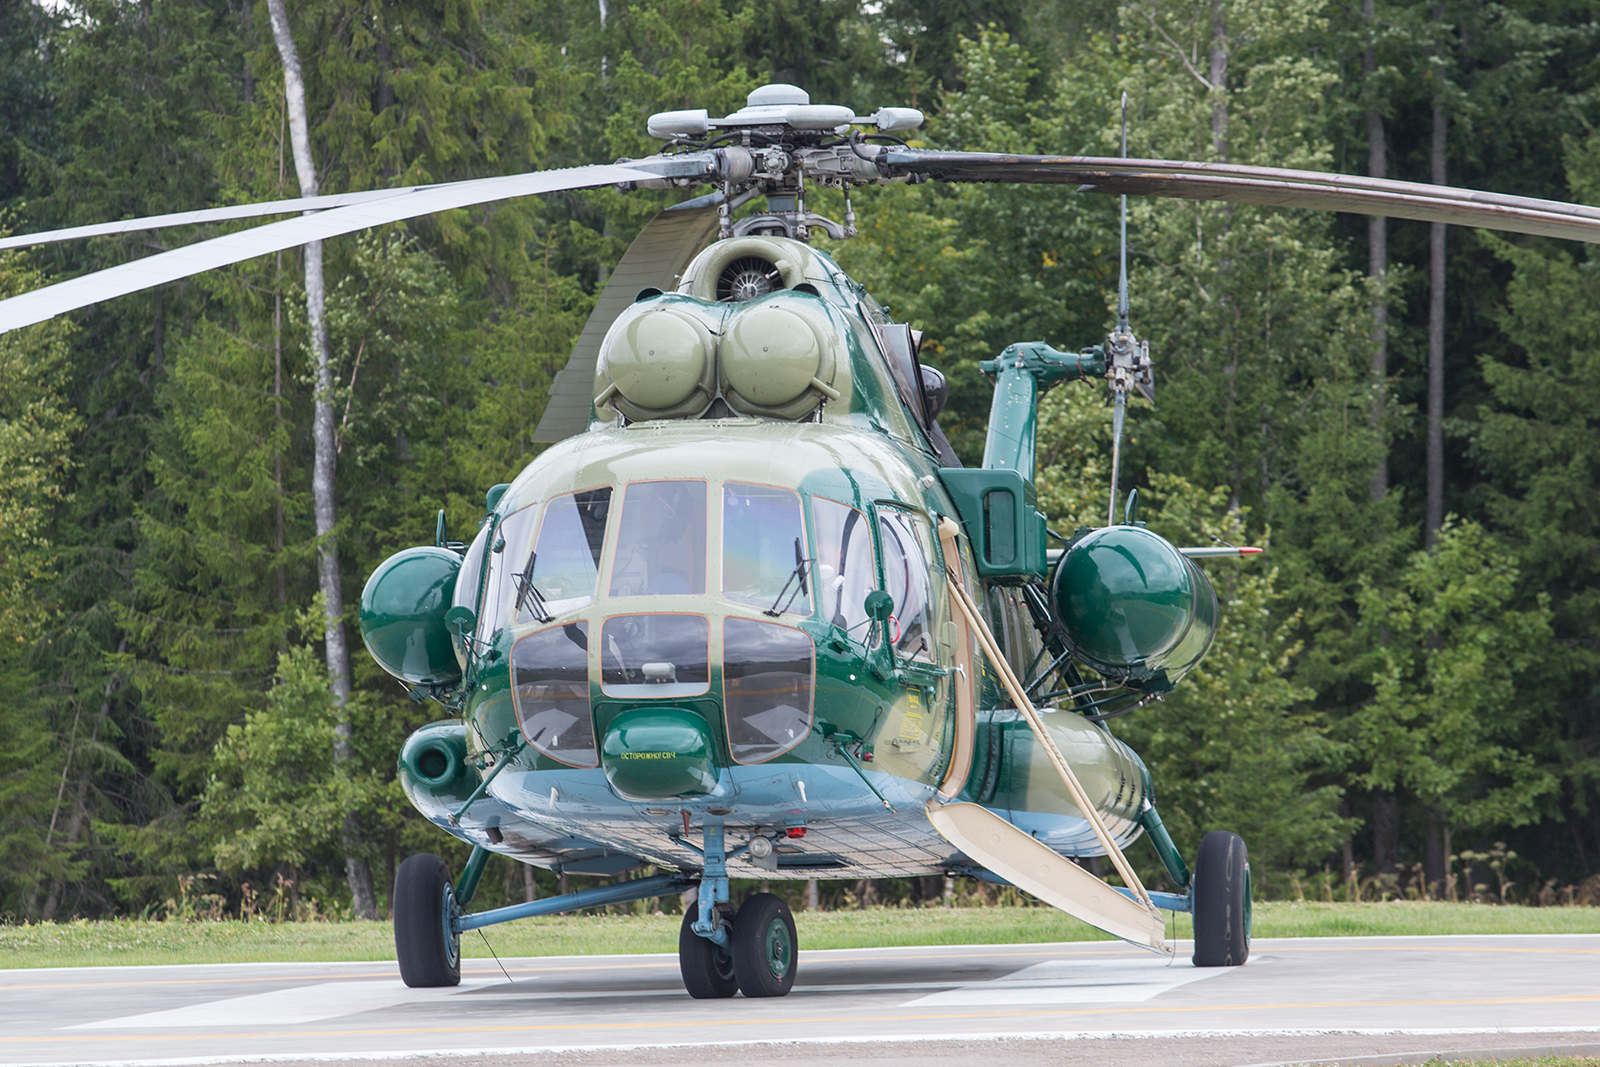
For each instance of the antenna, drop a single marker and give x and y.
(1119, 383)
(1122, 276)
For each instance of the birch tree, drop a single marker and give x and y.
(325, 456)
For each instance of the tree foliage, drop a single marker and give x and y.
(169, 718)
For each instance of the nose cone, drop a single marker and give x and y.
(657, 753)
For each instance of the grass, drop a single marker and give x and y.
(113, 943)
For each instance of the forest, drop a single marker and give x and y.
(1404, 696)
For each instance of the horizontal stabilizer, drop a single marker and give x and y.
(1037, 869)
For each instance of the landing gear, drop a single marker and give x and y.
(425, 941)
(764, 944)
(759, 960)
(1221, 901)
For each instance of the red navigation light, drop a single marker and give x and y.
(795, 833)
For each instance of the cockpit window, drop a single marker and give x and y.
(845, 574)
(655, 656)
(469, 578)
(764, 558)
(507, 555)
(905, 574)
(767, 673)
(550, 686)
(560, 574)
(661, 544)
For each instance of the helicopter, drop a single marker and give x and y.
(748, 615)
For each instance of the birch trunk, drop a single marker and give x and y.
(323, 468)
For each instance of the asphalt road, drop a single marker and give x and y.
(1359, 1000)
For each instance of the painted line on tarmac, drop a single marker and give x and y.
(519, 964)
(58, 1038)
(885, 1039)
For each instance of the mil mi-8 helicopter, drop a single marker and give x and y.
(748, 615)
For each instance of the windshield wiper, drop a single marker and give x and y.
(528, 594)
(799, 573)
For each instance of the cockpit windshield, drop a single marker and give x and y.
(661, 544)
(764, 558)
(561, 573)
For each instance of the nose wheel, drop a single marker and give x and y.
(760, 959)
(707, 967)
(764, 947)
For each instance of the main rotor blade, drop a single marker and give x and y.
(655, 258)
(1267, 186)
(193, 259)
(214, 214)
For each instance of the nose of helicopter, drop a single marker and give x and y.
(655, 753)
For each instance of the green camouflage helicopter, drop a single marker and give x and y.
(748, 616)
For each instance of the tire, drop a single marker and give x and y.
(707, 969)
(1221, 901)
(428, 951)
(765, 947)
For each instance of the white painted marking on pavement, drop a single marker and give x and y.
(285, 1007)
(1076, 982)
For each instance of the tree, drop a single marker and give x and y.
(1447, 719)
(1536, 440)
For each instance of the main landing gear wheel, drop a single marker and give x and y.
(1221, 901)
(707, 968)
(764, 947)
(428, 949)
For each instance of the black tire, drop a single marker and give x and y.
(429, 952)
(707, 968)
(765, 947)
(1221, 901)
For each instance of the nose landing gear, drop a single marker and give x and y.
(755, 954)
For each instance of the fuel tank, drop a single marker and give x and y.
(1013, 776)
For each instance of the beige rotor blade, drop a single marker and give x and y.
(655, 259)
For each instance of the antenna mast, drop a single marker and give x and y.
(1119, 377)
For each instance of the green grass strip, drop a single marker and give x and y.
(112, 943)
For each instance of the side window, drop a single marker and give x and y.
(905, 575)
(550, 687)
(764, 548)
(470, 577)
(506, 553)
(845, 572)
(561, 572)
(661, 544)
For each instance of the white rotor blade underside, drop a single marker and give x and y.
(41, 304)
(212, 214)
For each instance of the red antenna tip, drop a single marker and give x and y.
(1250, 551)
